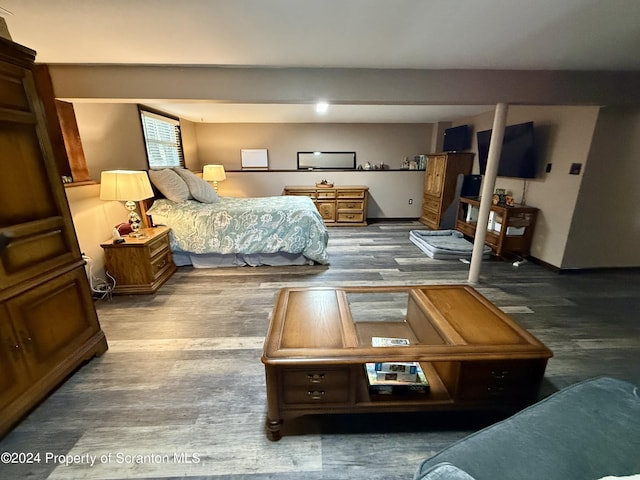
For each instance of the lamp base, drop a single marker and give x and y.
(134, 220)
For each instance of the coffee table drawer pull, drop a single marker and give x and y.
(495, 391)
(315, 377)
(316, 394)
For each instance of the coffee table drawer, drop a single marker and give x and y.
(499, 380)
(312, 386)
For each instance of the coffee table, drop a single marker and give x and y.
(473, 355)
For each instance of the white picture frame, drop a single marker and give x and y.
(254, 158)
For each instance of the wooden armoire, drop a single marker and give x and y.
(440, 181)
(48, 321)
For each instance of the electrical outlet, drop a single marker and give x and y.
(575, 169)
(411, 201)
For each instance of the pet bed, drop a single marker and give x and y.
(444, 244)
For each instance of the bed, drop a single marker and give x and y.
(284, 230)
(212, 231)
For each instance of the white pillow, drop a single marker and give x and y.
(199, 188)
(170, 184)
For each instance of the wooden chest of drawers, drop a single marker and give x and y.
(140, 265)
(343, 206)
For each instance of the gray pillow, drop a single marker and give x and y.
(199, 188)
(170, 184)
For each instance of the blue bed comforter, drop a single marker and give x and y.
(246, 225)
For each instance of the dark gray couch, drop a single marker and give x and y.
(586, 431)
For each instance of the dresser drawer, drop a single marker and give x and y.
(325, 194)
(351, 193)
(327, 210)
(351, 217)
(431, 203)
(315, 386)
(351, 205)
(431, 219)
(301, 193)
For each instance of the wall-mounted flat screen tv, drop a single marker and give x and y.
(457, 139)
(326, 160)
(518, 157)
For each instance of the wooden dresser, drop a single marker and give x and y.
(339, 206)
(48, 322)
(440, 184)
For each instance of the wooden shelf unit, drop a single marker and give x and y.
(339, 206)
(510, 229)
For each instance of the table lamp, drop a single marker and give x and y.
(214, 173)
(129, 186)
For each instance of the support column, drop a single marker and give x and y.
(488, 186)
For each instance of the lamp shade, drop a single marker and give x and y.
(125, 185)
(213, 173)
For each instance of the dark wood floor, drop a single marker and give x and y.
(183, 375)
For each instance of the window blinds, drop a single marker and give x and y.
(162, 139)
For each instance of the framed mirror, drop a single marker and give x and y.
(326, 160)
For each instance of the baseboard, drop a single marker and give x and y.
(398, 219)
(599, 270)
(544, 264)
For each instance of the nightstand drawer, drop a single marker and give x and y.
(161, 263)
(158, 247)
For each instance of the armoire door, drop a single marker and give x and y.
(48, 322)
(36, 235)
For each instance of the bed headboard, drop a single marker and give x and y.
(144, 206)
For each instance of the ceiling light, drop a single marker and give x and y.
(322, 107)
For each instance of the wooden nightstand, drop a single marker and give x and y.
(140, 265)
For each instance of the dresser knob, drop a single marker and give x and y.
(315, 377)
(316, 394)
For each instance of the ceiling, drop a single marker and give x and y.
(414, 34)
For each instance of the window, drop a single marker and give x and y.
(162, 140)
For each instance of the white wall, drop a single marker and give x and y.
(605, 231)
(94, 220)
(564, 136)
(389, 192)
(374, 143)
(111, 135)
